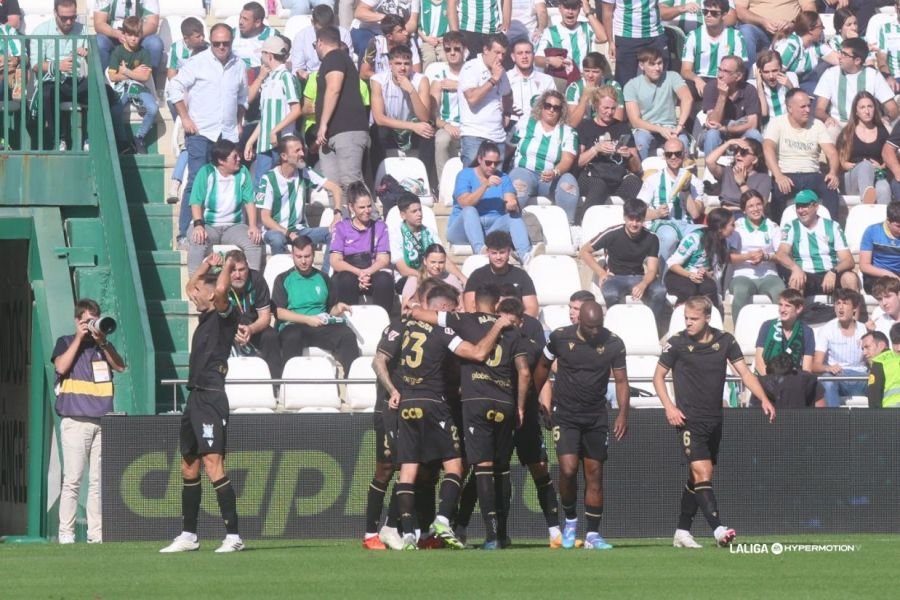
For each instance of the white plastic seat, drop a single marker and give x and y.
(246, 396)
(224, 248)
(555, 278)
(227, 9)
(554, 316)
(275, 266)
(635, 324)
(461, 250)
(555, 226)
(183, 9)
(368, 322)
(642, 365)
(306, 395)
(599, 218)
(859, 218)
(476, 261)
(448, 180)
(746, 330)
(857, 402)
(653, 163)
(295, 25)
(402, 167)
(36, 7)
(790, 213)
(319, 409)
(361, 396)
(676, 324)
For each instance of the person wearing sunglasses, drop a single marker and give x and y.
(545, 153)
(687, 15)
(709, 42)
(860, 146)
(444, 80)
(747, 171)
(434, 24)
(731, 106)
(803, 50)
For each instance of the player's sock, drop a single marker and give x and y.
(190, 504)
(227, 504)
(570, 512)
(706, 499)
(449, 494)
(406, 505)
(592, 516)
(425, 503)
(688, 507)
(503, 494)
(484, 481)
(374, 505)
(467, 500)
(546, 494)
(393, 515)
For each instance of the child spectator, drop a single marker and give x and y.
(130, 72)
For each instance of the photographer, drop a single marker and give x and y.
(84, 363)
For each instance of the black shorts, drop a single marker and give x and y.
(529, 438)
(587, 437)
(700, 440)
(204, 423)
(488, 426)
(426, 432)
(813, 285)
(385, 436)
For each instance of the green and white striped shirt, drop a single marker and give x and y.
(690, 253)
(657, 192)
(776, 97)
(448, 110)
(277, 93)
(479, 16)
(433, 19)
(636, 19)
(576, 89)
(814, 250)
(688, 21)
(798, 59)
(222, 196)
(889, 43)
(840, 89)
(577, 41)
(9, 44)
(538, 150)
(178, 53)
(286, 197)
(705, 52)
(249, 49)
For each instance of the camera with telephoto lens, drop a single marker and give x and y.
(105, 325)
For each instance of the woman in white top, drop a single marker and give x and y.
(753, 245)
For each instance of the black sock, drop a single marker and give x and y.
(393, 515)
(503, 494)
(688, 507)
(484, 481)
(375, 504)
(425, 503)
(706, 499)
(190, 504)
(406, 504)
(546, 494)
(569, 511)
(467, 502)
(449, 495)
(227, 504)
(592, 515)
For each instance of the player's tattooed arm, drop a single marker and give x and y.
(379, 365)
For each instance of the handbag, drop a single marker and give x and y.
(363, 260)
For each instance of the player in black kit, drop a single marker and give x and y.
(205, 420)
(698, 357)
(585, 355)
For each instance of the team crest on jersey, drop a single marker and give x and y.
(571, 345)
(318, 290)
(600, 349)
(715, 347)
(690, 348)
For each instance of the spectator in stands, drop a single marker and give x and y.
(572, 35)
(788, 388)
(377, 57)
(731, 106)
(306, 7)
(210, 96)
(631, 28)
(762, 20)
(306, 312)
(787, 335)
(484, 97)
(803, 50)
(772, 84)
(860, 147)
(527, 83)
(499, 272)
(608, 159)
(839, 349)
(250, 295)
(444, 80)
(887, 43)
(650, 102)
(434, 24)
(84, 393)
(108, 17)
(484, 201)
(279, 99)
(846, 27)
(675, 199)
(545, 150)
(435, 264)
(528, 20)
(707, 45)
(814, 250)
(632, 263)
(361, 254)
(887, 291)
(221, 200)
(304, 57)
(11, 14)
(792, 144)
(697, 266)
(10, 56)
(883, 388)
(687, 15)
(343, 129)
(370, 13)
(282, 199)
(753, 247)
(130, 73)
(479, 20)
(401, 112)
(747, 172)
(595, 73)
(252, 33)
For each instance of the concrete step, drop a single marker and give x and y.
(162, 273)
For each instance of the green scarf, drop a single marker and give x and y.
(414, 245)
(776, 345)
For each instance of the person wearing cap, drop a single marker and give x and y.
(279, 94)
(814, 250)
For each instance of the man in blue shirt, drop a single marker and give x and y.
(879, 251)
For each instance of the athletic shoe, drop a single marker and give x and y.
(409, 542)
(492, 545)
(447, 536)
(460, 532)
(391, 538)
(556, 542)
(568, 538)
(230, 545)
(66, 538)
(684, 539)
(139, 146)
(596, 542)
(95, 540)
(430, 543)
(505, 542)
(373, 543)
(724, 535)
(86, 146)
(183, 543)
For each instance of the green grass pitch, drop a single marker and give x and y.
(342, 569)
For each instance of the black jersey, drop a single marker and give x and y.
(210, 348)
(424, 349)
(583, 369)
(389, 345)
(699, 371)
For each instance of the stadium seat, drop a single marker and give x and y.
(555, 226)
(859, 218)
(275, 266)
(554, 316)
(653, 163)
(295, 25)
(183, 9)
(393, 220)
(361, 396)
(828, 25)
(319, 409)
(635, 324)
(851, 200)
(642, 365)
(599, 218)
(448, 180)
(856, 402)
(227, 10)
(748, 323)
(406, 167)
(224, 248)
(790, 213)
(368, 322)
(36, 7)
(676, 324)
(473, 262)
(249, 397)
(555, 278)
(461, 250)
(307, 395)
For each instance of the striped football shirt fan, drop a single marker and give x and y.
(705, 52)
(538, 150)
(448, 109)
(814, 250)
(479, 16)
(576, 41)
(636, 19)
(278, 92)
(222, 196)
(285, 197)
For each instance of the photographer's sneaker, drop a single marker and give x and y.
(186, 542)
(66, 538)
(232, 543)
(724, 535)
(684, 539)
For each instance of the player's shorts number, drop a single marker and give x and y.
(410, 414)
(495, 357)
(414, 358)
(495, 416)
(556, 434)
(454, 433)
(686, 439)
